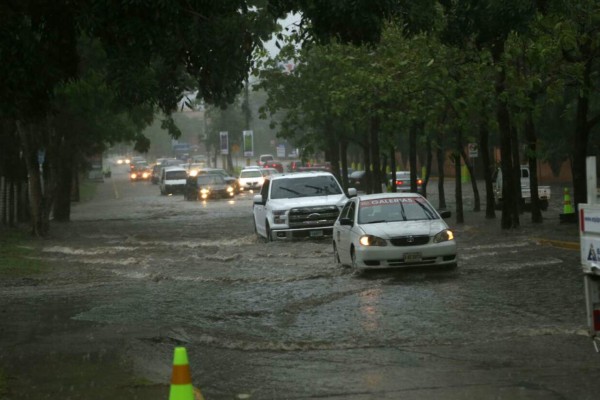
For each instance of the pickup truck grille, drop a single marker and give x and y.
(312, 217)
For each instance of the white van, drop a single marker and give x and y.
(172, 180)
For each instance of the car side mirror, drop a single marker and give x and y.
(258, 199)
(445, 214)
(352, 192)
(346, 221)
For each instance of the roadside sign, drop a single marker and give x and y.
(248, 143)
(224, 136)
(589, 235)
(281, 150)
(473, 150)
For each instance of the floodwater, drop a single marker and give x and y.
(283, 321)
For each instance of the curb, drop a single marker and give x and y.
(559, 243)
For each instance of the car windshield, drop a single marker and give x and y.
(210, 179)
(304, 187)
(251, 174)
(393, 209)
(176, 175)
(357, 174)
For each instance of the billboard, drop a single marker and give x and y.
(224, 136)
(248, 143)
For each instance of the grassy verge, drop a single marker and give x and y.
(16, 255)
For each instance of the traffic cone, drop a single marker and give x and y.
(568, 215)
(181, 379)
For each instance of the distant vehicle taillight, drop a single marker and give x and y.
(419, 181)
(399, 183)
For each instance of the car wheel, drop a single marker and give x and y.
(336, 255)
(353, 257)
(451, 266)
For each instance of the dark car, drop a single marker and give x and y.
(139, 171)
(275, 165)
(229, 179)
(205, 186)
(358, 180)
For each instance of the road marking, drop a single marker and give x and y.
(559, 243)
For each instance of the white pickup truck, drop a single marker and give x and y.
(543, 191)
(303, 204)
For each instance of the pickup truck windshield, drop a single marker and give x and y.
(305, 187)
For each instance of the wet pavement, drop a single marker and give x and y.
(136, 274)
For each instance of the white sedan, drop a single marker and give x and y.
(387, 230)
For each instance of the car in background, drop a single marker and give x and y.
(229, 179)
(275, 165)
(172, 180)
(251, 179)
(389, 230)
(161, 163)
(294, 165)
(403, 181)
(358, 180)
(140, 172)
(265, 158)
(269, 171)
(194, 168)
(206, 186)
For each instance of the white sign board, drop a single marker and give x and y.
(473, 150)
(281, 150)
(589, 230)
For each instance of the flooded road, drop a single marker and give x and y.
(140, 273)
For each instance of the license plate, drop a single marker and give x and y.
(316, 233)
(412, 257)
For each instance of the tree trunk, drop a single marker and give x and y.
(376, 175)
(477, 205)
(510, 212)
(64, 183)
(440, 162)
(412, 155)
(580, 138)
(11, 203)
(460, 217)
(4, 188)
(27, 133)
(393, 188)
(367, 157)
(428, 163)
(344, 160)
(487, 171)
(536, 213)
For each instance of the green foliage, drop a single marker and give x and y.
(18, 257)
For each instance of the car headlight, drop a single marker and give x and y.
(229, 189)
(133, 176)
(370, 240)
(193, 172)
(443, 236)
(279, 216)
(204, 191)
(145, 175)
